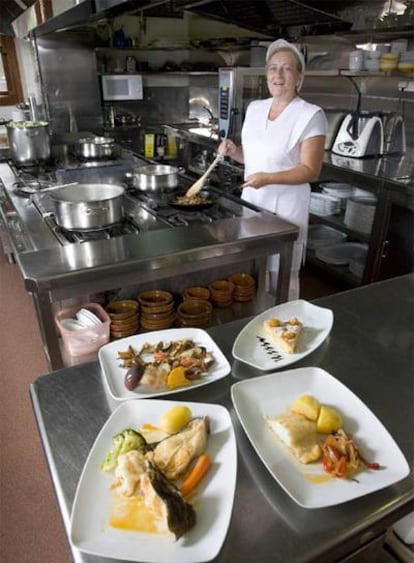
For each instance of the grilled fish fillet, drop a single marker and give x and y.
(298, 434)
(173, 455)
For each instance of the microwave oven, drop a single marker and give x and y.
(122, 87)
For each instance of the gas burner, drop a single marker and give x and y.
(126, 226)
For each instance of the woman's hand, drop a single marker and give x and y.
(230, 149)
(256, 180)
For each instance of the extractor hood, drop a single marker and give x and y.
(276, 18)
(89, 11)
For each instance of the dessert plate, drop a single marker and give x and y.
(252, 346)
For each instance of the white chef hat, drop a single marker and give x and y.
(283, 44)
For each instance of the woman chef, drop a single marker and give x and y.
(283, 140)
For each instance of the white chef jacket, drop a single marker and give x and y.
(272, 146)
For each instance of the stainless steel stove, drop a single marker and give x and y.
(27, 208)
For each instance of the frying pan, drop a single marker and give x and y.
(210, 197)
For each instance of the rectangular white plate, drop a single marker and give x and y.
(90, 531)
(114, 374)
(271, 395)
(252, 346)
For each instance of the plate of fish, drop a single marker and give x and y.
(262, 349)
(158, 484)
(160, 362)
(318, 440)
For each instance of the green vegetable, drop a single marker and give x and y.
(123, 442)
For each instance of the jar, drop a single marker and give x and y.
(356, 60)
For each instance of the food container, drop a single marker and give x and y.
(87, 340)
(88, 206)
(221, 292)
(197, 292)
(29, 142)
(157, 309)
(244, 286)
(154, 178)
(95, 148)
(194, 313)
(124, 315)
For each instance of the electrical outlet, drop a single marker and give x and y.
(406, 86)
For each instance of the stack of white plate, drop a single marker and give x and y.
(322, 235)
(342, 254)
(357, 264)
(323, 204)
(359, 214)
(338, 190)
(87, 318)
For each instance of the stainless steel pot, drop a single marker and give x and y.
(29, 141)
(154, 178)
(88, 206)
(95, 147)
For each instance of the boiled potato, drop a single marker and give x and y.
(306, 405)
(175, 419)
(329, 420)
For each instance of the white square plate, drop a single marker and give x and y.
(271, 395)
(252, 346)
(114, 374)
(90, 530)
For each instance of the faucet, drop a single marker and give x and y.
(213, 121)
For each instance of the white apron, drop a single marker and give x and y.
(273, 146)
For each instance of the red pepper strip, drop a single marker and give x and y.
(341, 467)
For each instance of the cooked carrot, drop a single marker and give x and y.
(200, 468)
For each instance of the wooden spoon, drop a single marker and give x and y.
(198, 184)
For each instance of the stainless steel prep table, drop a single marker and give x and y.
(370, 350)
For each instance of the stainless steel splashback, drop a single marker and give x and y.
(70, 85)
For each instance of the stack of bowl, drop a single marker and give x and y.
(124, 315)
(157, 309)
(244, 286)
(194, 313)
(197, 292)
(221, 292)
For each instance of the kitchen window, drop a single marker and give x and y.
(10, 84)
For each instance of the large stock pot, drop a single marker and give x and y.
(83, 207)
(29, 141)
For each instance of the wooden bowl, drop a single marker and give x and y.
(159, 324)
(242, 280)
(197, 292)
(121, 310)
(192, 309)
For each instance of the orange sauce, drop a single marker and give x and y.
(316, 479)
(132, 514)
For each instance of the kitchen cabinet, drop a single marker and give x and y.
(390, 242)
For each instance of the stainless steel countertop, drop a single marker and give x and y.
(370, 349)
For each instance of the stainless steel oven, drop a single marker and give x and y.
(238, 86)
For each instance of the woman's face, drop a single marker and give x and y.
(282, 74)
